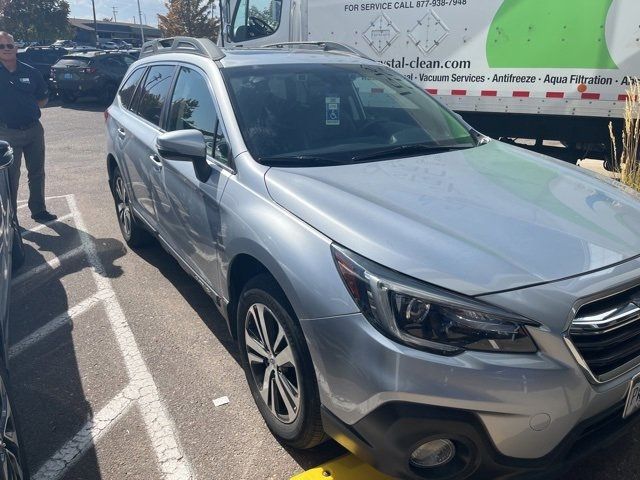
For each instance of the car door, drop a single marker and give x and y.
(139, 145)
(190, 219)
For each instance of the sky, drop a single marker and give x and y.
(125, 10)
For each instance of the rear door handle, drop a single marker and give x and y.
(155, 158)
(121, 133)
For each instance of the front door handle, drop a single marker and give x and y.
(154, 158)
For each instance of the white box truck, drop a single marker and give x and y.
(536, 69)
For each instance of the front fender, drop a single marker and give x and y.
(298, 256)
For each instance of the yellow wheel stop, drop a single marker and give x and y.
(347, 467)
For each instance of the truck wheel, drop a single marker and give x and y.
(133, 233)
(278, 365)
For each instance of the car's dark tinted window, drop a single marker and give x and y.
(192, 106)
(154, 92)
(129, 87)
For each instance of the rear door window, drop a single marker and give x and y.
(129, 87)
(154, 92)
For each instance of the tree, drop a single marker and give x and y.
(189, 18)
(41, 20)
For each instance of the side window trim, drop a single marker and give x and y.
(167, 104)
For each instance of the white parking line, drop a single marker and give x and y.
(59, 321)
(173, 464)
(90, 433)
(50, 265)
(42, 226)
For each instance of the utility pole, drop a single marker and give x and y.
(95, 22)
(141, 27)
(115, 11)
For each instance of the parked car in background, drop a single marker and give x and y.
(108, 45)
(42, 59)
(13, 465)
(444, 305)
(64, 43)
(121, 44)
(95, 73)
(82, 48)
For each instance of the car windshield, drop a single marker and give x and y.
(314, 114)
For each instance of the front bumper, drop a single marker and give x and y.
(386, 437)
(522, 408)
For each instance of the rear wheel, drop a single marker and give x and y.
(277, 364)
(134, 234)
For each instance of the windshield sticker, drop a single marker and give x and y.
(333, 110)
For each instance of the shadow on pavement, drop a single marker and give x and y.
(50, 393)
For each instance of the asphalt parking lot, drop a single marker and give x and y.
(118, 355)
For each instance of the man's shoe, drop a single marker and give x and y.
(43, 216)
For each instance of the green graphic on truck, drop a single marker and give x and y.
(550, 34)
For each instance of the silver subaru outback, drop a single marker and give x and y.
(444, 305)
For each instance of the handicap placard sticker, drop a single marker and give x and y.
(333, 110)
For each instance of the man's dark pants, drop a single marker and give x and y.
(29, 142)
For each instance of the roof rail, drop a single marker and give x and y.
(326, 46)
(197, 46)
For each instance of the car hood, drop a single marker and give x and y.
(481, 220)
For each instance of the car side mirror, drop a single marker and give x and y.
(187, 146)
(6, 155)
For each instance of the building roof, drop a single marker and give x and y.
(87, 24)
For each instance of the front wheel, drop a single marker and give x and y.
(133, 233)
(277, 364)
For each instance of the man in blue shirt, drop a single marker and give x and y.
(23, 92)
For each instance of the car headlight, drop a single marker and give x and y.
(428, 317)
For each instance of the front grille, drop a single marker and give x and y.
(606, 333)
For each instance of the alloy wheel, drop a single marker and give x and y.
(122, 206)
(10, 457)
(273, 366)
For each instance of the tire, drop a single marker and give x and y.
(68, 97)
(295, 420)
(13, 462)
(133, 233)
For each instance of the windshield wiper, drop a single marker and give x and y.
(427, 148)
(297, 161)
